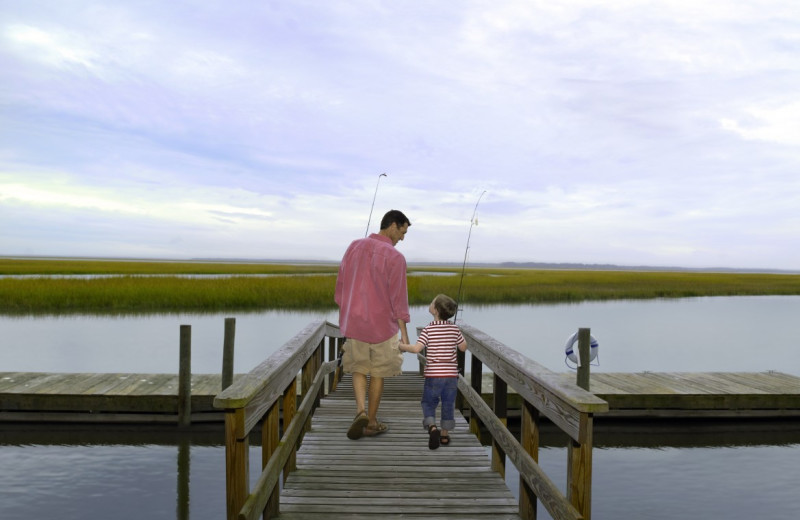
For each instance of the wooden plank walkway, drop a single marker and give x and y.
(698, 394)
(710, 395)
(117, 397)
(393, 475)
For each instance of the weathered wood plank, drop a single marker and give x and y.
(72, 383)
(649, 394)
(109, 394)
(15, 379)
(392, 475)
(32, 384)
(391, 516)
(768, 382)
(685, 394)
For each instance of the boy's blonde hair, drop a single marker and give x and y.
(445, 306)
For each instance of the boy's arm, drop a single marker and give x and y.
(416, 348)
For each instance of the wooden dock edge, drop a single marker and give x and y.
(723, 396)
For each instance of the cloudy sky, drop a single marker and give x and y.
(661, 133)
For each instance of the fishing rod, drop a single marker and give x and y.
(472, 221)
(373, 203)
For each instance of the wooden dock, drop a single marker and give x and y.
(708, 395)
(392, 475)
(109, 397)
(153, 398)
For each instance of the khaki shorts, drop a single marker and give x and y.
(378, 359)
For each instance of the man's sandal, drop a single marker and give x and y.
(444, 440)
(379, 428)
(433, 437)
(356, 430)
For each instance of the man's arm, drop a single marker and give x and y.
(403, 331)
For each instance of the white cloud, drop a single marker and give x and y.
(776, 124)
(56, 49)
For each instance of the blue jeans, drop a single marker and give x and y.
(436, 389)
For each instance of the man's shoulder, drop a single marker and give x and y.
(369, 247)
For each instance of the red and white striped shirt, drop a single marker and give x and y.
(441, 338)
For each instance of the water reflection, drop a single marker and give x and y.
(184, 470)
(734, 483)
(132, 473)
(644, 472)
(674, 433)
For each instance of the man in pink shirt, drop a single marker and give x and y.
(372, 295)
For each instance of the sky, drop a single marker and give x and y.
(633, 133)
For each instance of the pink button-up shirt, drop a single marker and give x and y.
(371, 290)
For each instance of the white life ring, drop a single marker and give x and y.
(572, 353)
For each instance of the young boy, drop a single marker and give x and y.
(441, 338)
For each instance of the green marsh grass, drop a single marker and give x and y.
(311, 286)
(142, 294)
(69, 266)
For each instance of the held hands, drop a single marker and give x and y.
(407, 347)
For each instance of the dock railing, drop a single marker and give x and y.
(567, 405)
(260, 395)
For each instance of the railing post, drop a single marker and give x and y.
(579, 468)
(331, 357)
(289, 409)
(579, 455)
(584, 344)
(530, 443)
(237, 462)
(270, 437)
(476, 382)
(461, 358)
(501, 411)
(319, 359)
(337, 374)
(227, 352)
(185, 377)
(307, 376)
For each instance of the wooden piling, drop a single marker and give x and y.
(584, 344)
(227, 352)
(185, 377)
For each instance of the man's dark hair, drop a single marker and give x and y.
(394, 216)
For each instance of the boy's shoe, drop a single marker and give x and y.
(433, 437)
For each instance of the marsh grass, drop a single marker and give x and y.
(129, 294)
(67, 266)
(296, 287)
(486, 286)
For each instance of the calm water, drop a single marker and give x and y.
(82, 475)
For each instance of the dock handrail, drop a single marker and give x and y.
(568, 406)
(258, 395)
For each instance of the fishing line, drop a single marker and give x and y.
(472, 221)
(373, 203)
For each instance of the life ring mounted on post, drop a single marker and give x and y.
(571, 349)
